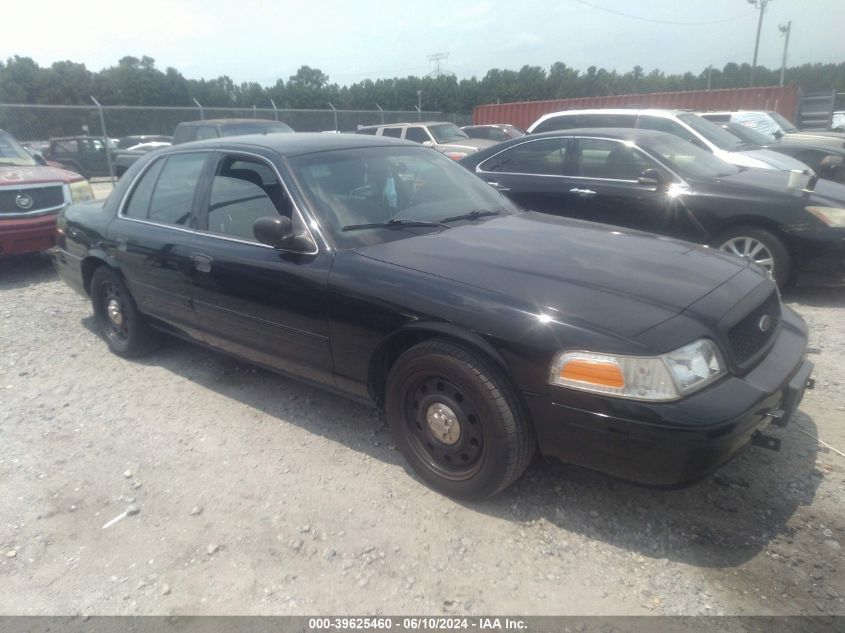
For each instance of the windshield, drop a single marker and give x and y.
(378, 184)
(12, 152)
(746, 134)
(712, 132)
(783, 122)
(686, 159)
(445, 132)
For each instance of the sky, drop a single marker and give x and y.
(253, 40)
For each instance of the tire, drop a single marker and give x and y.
(457, 421)
(761, 246)
(125, 330)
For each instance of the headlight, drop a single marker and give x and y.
(80, 191)
(832, 216)
(655, 378)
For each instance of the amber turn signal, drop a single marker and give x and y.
(593, 372)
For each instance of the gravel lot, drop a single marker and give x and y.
(257, 495)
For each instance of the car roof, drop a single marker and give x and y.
(298, 143)
(618, 133)
(658, 111)
(406, 124)
(226, 121)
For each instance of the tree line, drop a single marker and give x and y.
(134, 81)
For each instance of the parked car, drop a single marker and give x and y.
(85, 155)
(837, 121)
(493, 132)
(826, 161)
(127, 142)
(776, 126)
(681, 123)
(654, 181)
(123, 159)
(383, 271)
(31, 195)
(214, 128)
(443, 136)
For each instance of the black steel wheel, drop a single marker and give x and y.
(456, 420)
(124, 328)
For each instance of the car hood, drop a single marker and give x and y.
(596, 275)
(11, 175)
(472, 144)
(774, 160)
(765, 184)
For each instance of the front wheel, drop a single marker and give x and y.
(761, 247)
(126, 331)
(457, 420)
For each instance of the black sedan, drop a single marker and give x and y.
(381, 270)
(656, 182)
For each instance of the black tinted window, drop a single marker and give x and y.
(394, 132)
(416, 134)
(242, 192)
(206, 131)
(612, 160)
(546, 157)
(367, 130)
(139, 200)
(174, 192)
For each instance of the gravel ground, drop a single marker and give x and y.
(227, 489)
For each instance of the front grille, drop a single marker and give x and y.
(30, 199)
(746, 338)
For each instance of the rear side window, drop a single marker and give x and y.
(173, 196)
(546, 157)
(606, 120)
(139, 200)
(65, 147)
(562, 122)
(394, 132)
(368, 130)
(648, 122)
(206, 131)
(184, 134)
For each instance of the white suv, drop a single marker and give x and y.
(686, 125)
(443, 136)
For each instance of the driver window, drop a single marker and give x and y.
(243, 191)
(416, 134)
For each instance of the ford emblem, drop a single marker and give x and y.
(24, 201)
(764, 323)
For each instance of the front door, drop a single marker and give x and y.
(263, 303)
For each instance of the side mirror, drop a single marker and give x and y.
(652, 178)
(38, 157)
(428, 143)
(277, 231)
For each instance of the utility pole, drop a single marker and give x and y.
(437, 59)
(761, 6)
(784, 30)
(419, 105)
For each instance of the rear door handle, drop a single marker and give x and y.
(497, 186)
(202, 262)
(582, 192)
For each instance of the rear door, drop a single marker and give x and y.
(152, 236)
(533, 174)
(262, 303)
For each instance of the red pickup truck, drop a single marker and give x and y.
(32, 192)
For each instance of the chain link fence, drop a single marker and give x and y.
(38, 123)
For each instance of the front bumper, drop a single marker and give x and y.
(27, 235)
(676, 443)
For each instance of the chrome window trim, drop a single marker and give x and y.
(479, 170)
(215, 150)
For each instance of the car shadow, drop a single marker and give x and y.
(722, 521)
(831, 295)
(19, 271)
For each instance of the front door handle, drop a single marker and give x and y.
(582, 192)
(497, 186)
(202, 262)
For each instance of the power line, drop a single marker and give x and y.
(637, 17)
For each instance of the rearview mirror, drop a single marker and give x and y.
(652, 178)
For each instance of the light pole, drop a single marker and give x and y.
(761, 5)
(784, 30)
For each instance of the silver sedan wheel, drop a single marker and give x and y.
(750, 248)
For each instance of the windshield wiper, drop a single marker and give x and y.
(472, 215)
(395, 222)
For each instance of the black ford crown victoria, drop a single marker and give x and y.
(382, 270)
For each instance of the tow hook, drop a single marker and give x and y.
(778, 417)
(765, 441)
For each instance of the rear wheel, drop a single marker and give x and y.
(126, 331)
(457, 421)
(760, 246)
